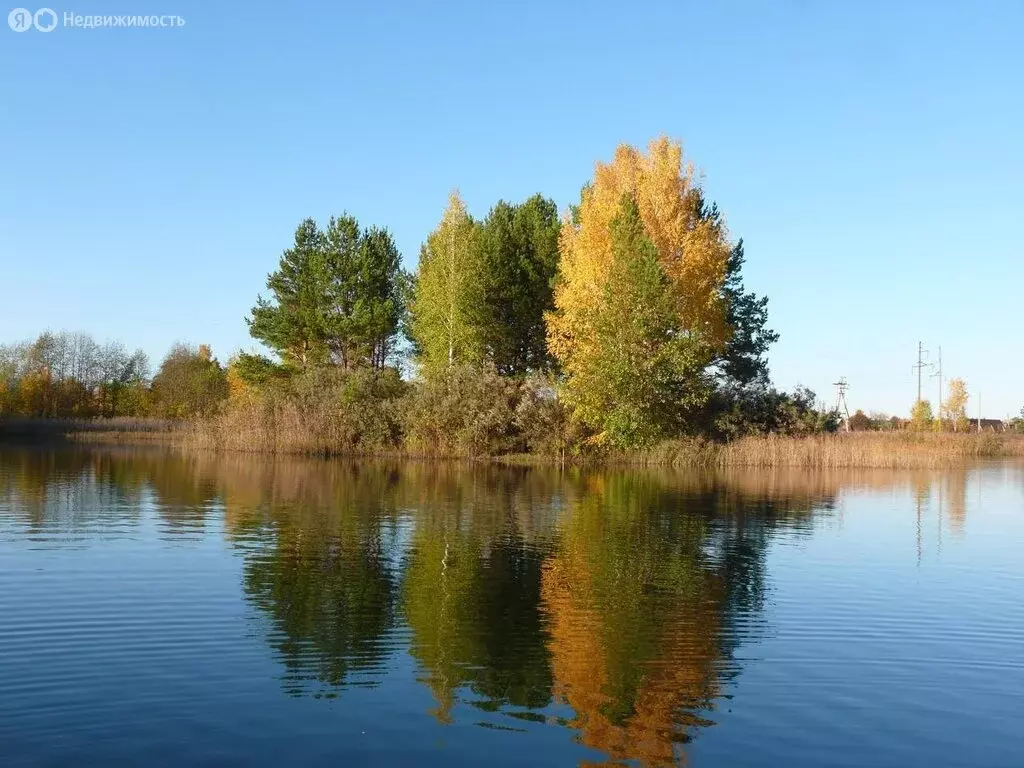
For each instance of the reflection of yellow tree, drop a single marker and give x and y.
(956, 492)
(634, 618)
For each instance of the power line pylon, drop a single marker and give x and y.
(841, 406)
(938, 373)
(920, 365)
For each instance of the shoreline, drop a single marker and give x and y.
(860, 450)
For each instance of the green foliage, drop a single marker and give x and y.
(362, 408)
(519, 254)
(259, 370)
(291, 325)
(462, 411)
(647, 378)
(122, 391)
(448, 316)
(544, 424)
(744, 411)
(921, 416)
(336, 297)
(190, 382)
(743, 361)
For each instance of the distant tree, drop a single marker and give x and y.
(120, 372)
(921, 416)
(881, 422)
(448, 317)
(860, 422)
(692, 248)
(743, 411)
(8, 380)
(1017, 423)
(190, 382)
(519, 255)
(35, 394)
(954, 410)
(379, 293)
(65, 374)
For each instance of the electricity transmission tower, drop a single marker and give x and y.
(938, 373)
(841, 406)
(920, 365)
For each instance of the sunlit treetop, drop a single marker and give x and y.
(693, 250)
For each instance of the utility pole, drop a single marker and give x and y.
(920, 366)
(841, 407)
(939, 374)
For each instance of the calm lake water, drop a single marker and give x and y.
(160, 610)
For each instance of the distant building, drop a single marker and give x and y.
(989, 425)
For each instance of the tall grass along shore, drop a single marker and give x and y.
(287, 432)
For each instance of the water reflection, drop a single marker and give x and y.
(610, 603)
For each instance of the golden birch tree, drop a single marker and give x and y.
(690, 253)
(955, 407)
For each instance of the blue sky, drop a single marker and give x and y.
(870, 155)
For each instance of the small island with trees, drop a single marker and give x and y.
(621, 331)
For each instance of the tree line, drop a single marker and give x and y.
(621, 324)
(71, 375)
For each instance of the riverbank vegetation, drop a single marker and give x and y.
(622, 330)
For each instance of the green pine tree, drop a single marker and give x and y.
(336, 297)
(519, 247)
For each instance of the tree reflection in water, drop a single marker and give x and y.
(611, 602)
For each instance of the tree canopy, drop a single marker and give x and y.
(336, 297)
(642, 303)
(519, 248)
(447, 314)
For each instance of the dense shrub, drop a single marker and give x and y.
(462, 411)
(742, 412)
(322, 411)
(542, 420)
(362, 408)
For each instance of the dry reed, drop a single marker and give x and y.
(869, 450)
(285, 428)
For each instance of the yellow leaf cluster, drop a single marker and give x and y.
(238, 389)
(693, 250)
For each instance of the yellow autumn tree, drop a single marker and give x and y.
(921, 416)
(955, 407)
(689, 253)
